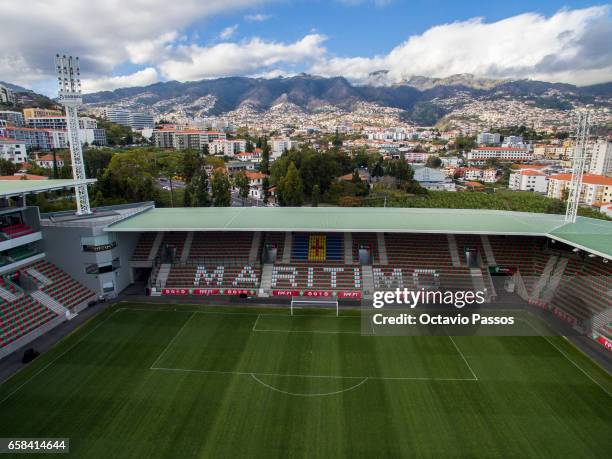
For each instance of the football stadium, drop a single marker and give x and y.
(210, 332)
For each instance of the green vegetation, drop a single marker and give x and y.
(520, 201)
(164, 381)
(221, 189)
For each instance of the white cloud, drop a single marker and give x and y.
(141, 78)
(259, 17)
(228, 32)
(226, 59)
(104, 33)
(558, 48)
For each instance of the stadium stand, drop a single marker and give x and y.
(213, 276)
(144, 246)
(224, 246)
(62, 288)
(366, 240)
(317, 276)
(425, 256)
(15, 230)
(20, 317)
(276, 239)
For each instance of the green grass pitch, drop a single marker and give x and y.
(181, 381)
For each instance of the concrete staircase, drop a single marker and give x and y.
(454, 251)
(50, 303)
(548, 292)
(348, 249)
(288, 248)
(187, 247)
(266, 280)
(7, 295)
(367, 277)
(488, 250)
(255, 245)
(544, 278)
(40, 277)
(162, 275)
(382, 249)
(478, 281)
(155, 247)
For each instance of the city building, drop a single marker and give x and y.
(7, 96)
(13, 150)
(513, 140)
(596, 189)
(488, 138)
(139, 121)
(256, 190)
(279, 145)
(41, 113)
(117, 116)
(11, 117)
(433, 179)
(226, 147)
(46, 161)
(500, 153)
(528, 180)
(601, 158)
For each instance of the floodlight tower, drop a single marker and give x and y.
(579, 161)
(69, 82)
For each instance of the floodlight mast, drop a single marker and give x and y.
(69, 90)
(579, 160)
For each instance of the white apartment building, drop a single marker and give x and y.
(13, 150)
(513, 140)
(256, 190)
(528, 180)
(117, 116)
(488, 138)
(601, 158)
(227, 147)
(278, 146)
(596, 189)
(500, 153)
(7, 96)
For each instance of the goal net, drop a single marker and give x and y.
(313, 303)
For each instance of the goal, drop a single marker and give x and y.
(320, 303)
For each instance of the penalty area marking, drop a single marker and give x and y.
(320, 332)
(297, 394)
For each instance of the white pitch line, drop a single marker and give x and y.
(255, 324)
(295, 394)
(281, 375)
(172, 341)
(568, 359)
(463, 357)
(58, 357)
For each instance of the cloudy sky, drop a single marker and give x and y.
(138, 42)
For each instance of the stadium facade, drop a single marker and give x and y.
(54, 265)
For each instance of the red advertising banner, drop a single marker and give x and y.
(605, 342)
(564, 316)
(285, 293)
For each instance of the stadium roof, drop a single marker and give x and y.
(10, 188)
(589, 234)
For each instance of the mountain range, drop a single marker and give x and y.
(422, 99)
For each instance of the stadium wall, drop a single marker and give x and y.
(65, 247)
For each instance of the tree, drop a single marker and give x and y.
(434, 161)
(316, 196)
(337, 140)
(171, 166)
(241, 182)
(249, 146)
(266, 189)
(264, 166)
(221, 193)
(291, 187)
(7, 167)
(198, 190)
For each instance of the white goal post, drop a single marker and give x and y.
(314, 302)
